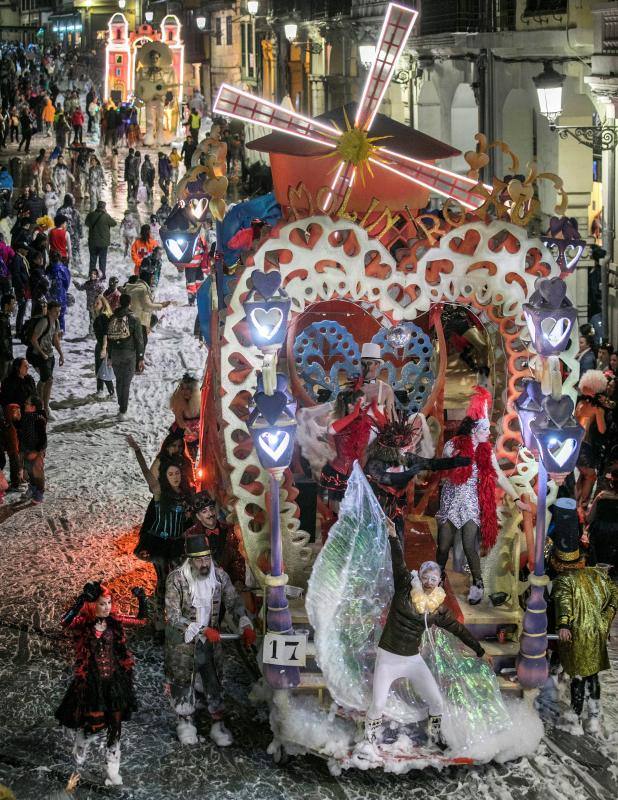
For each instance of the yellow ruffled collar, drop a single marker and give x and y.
(426, 603)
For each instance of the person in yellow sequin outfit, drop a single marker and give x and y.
(585, 601)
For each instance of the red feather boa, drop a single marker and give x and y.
(486, 484)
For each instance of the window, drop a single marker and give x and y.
(218, 33)
(228, 31)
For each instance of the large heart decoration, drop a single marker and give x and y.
(274, 443)
(570, 262)
(267, 322)
(216, 187)
(266, 283)
(519, 191)
(559, 411)
(555, 331)
(271, 406)
(177, 247)
(198, 206)
(552, 290)
(561, 451)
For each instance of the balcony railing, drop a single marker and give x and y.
(308, 10)
(545, 8)
(462, 16)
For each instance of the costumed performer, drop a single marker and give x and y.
(468, 496)
(590, 413)
(350, 431)
(194, 596)
(223, 543)
(371, 386)
(392, 464)
(585, 601)
(418, 603)
(101, 694)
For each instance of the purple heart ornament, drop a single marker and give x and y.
(271, 406)
(552, 290)
(559, 411)
(266, 283)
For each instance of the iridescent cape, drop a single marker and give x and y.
(349, 594)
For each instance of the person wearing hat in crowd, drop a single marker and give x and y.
(370, 384)
(392, 463)
(468, 495)
(585, 602)
(195, 594)
(223, 543)
(112, 293)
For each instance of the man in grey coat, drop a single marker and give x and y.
(194, 595)
(99, 224)
(124, 344)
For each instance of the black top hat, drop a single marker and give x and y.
(565, 533)
(197, 545)
(202, 500)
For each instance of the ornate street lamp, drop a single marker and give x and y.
(549, 92)
(200, 21)
(180, 236)
(550, 316)
(564, 242)
(558, 436)
(367, 54)
(253, 7)
(122, 4)
(149, 16)
(272, 425)
(291, 30)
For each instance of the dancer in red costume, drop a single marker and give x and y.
(468, 498)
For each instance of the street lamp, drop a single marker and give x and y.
(122, 4)
(528, 406)
(253, 7)
(549, 91)
(149, 16)
(200, 21)
(367, 54)
(272, 425)
(291, 30)
(550, 316)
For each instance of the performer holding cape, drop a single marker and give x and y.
(356, 589)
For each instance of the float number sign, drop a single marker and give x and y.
(285, 650)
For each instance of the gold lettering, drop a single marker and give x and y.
(341, 211)
(298, 195)
(453, 220)
(372, 207)
(385, 216)
(325, 200)
(418, 224)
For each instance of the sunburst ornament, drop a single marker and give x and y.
(356, 147)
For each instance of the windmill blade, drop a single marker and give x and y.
(233, 102)
(396, 29)
(343, 180)
(436, 179)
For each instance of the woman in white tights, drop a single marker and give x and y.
(418, 604)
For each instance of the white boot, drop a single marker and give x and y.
(434, 732)
(220, 735)
(475, 595)
(112, 757)
(80, 747)
(186, 731)
(373, 729)
(593, 723)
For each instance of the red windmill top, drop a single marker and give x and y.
(362, 146)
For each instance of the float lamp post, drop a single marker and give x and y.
(272, 425)
(556, 437)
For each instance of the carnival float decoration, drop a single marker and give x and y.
(359, 257)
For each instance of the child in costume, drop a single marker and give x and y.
(101, 694)
(468, 496)
(585, 601)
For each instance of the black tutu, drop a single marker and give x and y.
(89, 699)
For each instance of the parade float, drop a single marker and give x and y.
(147, 66)
(349, 258)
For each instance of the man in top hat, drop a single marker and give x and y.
(371, 386)
(223, 544)
(585, 602)
(195, 595)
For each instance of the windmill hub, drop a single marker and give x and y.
(355, 146)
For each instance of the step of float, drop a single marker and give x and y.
(311, 681)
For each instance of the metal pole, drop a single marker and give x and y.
(278, 617)
(532, 667)
(609, 260)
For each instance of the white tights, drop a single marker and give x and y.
(389, 667)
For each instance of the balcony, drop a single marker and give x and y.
(538, 9)
(310, 10)
(467, 16)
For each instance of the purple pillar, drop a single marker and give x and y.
(278, 617)
(532, 667)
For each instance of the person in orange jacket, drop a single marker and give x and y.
(142, 247)
(48, 115)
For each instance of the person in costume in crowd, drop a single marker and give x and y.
(418, 603)
(222, 542)
(101, 693)
(603, 524)
(590, 413)
(162, 535)
(468, 496)
(349, 432)
(371, 386)
(585, 602)
(392, 464)
(185, 404)
(194, 595)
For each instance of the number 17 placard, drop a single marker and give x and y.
(287, 650)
